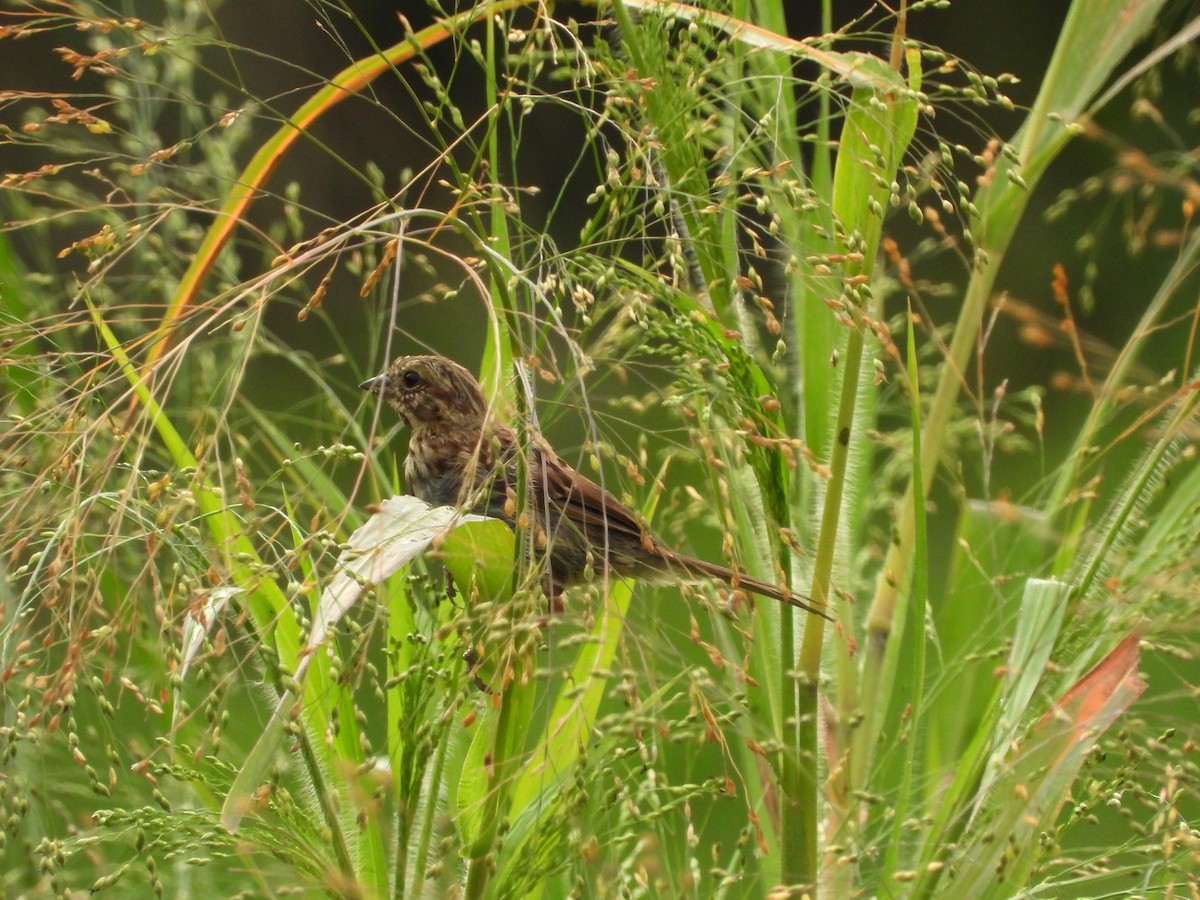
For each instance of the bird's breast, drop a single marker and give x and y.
(431, 473)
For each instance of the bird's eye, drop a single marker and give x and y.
(411, 379)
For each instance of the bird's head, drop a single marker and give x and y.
(431, 392)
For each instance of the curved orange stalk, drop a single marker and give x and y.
(346, 83)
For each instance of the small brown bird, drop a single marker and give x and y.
(459, 456)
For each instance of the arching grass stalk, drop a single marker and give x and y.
(345, 84)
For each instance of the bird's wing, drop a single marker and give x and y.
(581, 501)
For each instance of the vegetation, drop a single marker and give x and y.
(772, 326)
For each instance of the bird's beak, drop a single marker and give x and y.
(374, 385)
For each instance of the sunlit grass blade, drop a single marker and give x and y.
(975, 615)
(1039, 626)
(999, 852)
(1004, 716)
(341, 86)
(264, 599)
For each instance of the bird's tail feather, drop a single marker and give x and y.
(746, 582)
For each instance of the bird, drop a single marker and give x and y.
(460, 454)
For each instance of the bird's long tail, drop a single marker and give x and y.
(738, 580)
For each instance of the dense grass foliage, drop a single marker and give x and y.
(753, 285)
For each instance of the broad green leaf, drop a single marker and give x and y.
(479, 555)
